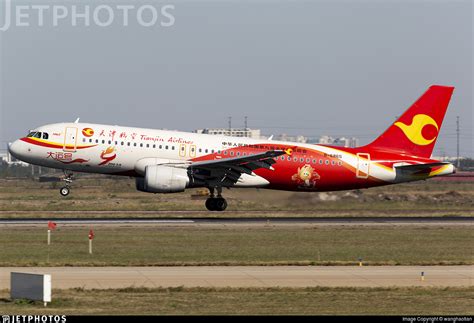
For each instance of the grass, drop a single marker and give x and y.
(273, 301)
(279, 245)
(114, 195)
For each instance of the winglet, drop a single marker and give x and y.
(77, 120)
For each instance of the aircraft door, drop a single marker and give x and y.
(70, 139)
(363, 165)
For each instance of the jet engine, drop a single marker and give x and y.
(163, 179)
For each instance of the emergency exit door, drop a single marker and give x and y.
(363, 165)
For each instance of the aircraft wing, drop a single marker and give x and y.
(226, 171)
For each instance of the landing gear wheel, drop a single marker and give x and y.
(211, 204)
(216, 204)
(64, 191)
(221, 204)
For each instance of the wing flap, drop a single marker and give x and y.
(227, 171)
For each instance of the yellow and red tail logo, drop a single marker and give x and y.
(417, 132)
(88, 132)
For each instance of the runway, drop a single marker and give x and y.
(236, 221)
(249, 276)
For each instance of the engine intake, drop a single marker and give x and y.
(163, 179)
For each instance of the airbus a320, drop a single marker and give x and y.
(170, 162)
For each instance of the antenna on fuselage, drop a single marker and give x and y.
(77, 120)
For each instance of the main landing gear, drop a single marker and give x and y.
(65, 190)
(216, 203)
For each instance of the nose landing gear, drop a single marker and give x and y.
(216, 203)
(65, 190)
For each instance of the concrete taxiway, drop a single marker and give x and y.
(249, 276)
(245, 221)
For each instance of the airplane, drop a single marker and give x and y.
(170, 161)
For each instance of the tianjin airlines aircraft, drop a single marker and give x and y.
(169, 161)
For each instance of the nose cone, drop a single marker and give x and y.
(15, 149)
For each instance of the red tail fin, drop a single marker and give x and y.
(416, 131)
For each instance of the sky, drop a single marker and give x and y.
(339, 68)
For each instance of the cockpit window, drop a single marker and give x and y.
(37, 134)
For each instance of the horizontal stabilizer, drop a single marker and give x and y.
(420, 167)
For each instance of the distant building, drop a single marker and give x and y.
(450, 159)
(299, 139)
(232, 132)
(340, 141)
(6, 157)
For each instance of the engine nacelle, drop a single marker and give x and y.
(163, 179)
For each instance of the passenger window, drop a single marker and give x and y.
(282, 157)
(327, 162)
(200, 150)
(314, 161)
(141, 144)
(307, 160)
(122, 143)
(166, 147)
(172, 147)
(232, 153)
(45, 135)
(225, 152)
(340, 163)
(116, 143)
(161, 147)
(147, 145)
(333, 162)
(128, 143)
(289, 158)
(320, 161)
(97, 141)
(206, 151)
(238, 153)
(302, 160)
(154, 146)
(295, 159)
(103, 141)
(90, 140)
(110, 142)
(134, 144)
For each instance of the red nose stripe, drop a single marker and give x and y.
(38, 142)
